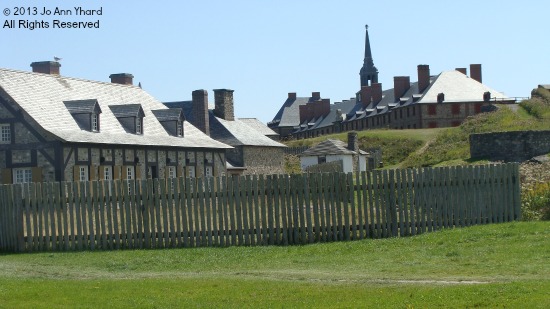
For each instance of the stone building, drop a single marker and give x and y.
(56, 128)
(254, 150)
(442, 100)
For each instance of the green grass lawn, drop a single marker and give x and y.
(491, 266)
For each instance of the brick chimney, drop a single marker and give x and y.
(353, 144)
(462, 70)
(316, 96)
(46, 67)
(199, 110)
(475, 72)
(366, 95)
(292, 95)
(223, 99)
(122, 78)
(376, 93)
(321, 108)
(400, 85)
(423, 77)
(307, 112)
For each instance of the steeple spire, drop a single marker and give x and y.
(368, 72)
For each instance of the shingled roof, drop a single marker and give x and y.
(330, 147)
(235, 132)
(42, 97)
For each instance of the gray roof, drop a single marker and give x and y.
(456, 86)
(258, 126)
(42, 96)
(330, 147)
(170, 114)
(234, 133)
(82, 106)
(127, 110)
(345, 107)
(289, 114)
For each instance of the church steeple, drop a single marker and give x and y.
(368, 72)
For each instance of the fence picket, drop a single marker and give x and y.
(254, 210)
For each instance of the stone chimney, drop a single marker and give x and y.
(400, 86)
(316, 96)
(223, 99)
(475, 72)
(122, 78)
(200, 111)
(376, 93)
(462, 70)
(366, 95)
(292, 96)
(423, 77)
(46, 67)
(353, 143)
(440, 97)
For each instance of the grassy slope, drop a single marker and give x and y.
(446, 146)
(483, 266)
(396, 145)
(451, 146)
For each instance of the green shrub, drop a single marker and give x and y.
(535, 202)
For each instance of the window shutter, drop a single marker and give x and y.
(179, 171)
(138, 172)
(36, 174)
(124, 172)
(166, 171)
(6, 176)
(101, 173)
(93, 172)
(76, 173)
(116, 172)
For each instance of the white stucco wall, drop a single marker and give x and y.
(362, 163)
(307, 161)
(347, 161)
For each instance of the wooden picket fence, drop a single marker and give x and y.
(254, 210)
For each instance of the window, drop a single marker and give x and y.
(5, 133)
(139, 129)
(432, 110)
(95, 122)
(171, 172)
(22, 175)
(107, 173)
(208, 171)
(129, 172)
(180, 128)
(321, 159)
(191, 171)
(83, 173)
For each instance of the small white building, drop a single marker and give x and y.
(353, 159)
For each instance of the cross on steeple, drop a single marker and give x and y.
(368, 72)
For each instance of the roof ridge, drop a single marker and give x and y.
(66, 77)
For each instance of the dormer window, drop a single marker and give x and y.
(130, 117)
(85, 113)
(171, 119)
(95, 122)
(138, 126)
(180, 128)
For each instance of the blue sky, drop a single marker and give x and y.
(265, 49)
